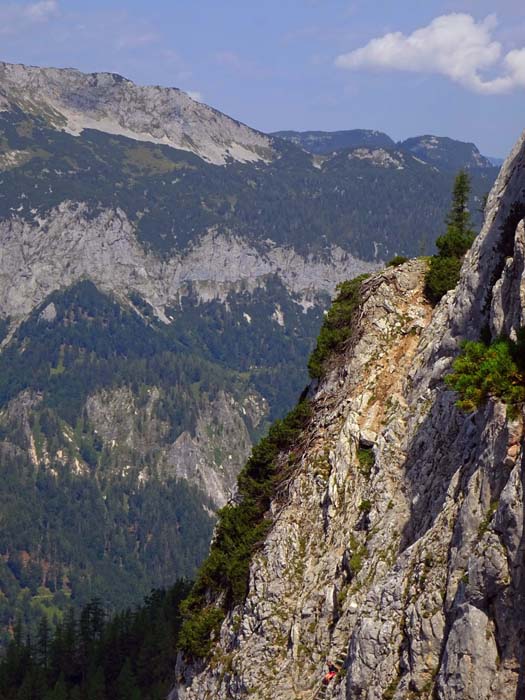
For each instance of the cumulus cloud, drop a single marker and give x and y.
(41, 11)
(15, 18)
(453, 45)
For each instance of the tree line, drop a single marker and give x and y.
(88, 656)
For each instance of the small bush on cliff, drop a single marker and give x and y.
(222, 580)
(442, 275)
(337, 325)
(396, 261)
(444, 269)
(483, 371)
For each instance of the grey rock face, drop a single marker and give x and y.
(74, 101)
(70, 245)
(210, 459)
(425, 597)
(470, 660)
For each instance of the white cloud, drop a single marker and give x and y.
(515, 63)
(41, 11)
(16, 18)
(135, 40)
(195, 95)
(453, 45)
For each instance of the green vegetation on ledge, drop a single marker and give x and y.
(222, 580)
(397, 260)
(337, 326)
(483, 371)
(444, 269)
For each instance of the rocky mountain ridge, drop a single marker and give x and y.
(69, 245)
(397, 546)
(324, 142)
(438, 151)
(74, 101)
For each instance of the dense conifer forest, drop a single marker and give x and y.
(89, 656)
(174, 196)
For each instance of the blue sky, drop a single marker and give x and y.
(406, 67)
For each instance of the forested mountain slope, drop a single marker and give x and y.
(323, 142)
(164, 271)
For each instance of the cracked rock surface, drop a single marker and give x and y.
(411, 571)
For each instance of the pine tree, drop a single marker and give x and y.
(127, 688)
(43, 642)
(459, 215)
(96, 685)
(75, 694)
(459, 235)
(70, 638)
(444, 269)
(59, 691)
(90, 628)
(16, 661)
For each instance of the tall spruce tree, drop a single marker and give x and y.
(43, 642)
(58, 692)
(95, 686)
(459, 215)
(126, 685)
(444, 269)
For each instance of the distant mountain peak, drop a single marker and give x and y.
(326, 142)
(74, 101)
(439, 152)
(444, 152)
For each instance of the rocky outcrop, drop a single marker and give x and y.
(209, 458)
(398, 546)
(212, 458)
(70, 245)
(74, 101)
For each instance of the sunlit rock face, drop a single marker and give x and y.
(398, 547)
(74, 101)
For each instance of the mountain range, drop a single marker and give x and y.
(164, 272)
(441, 152)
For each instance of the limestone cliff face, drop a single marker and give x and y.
(73, 101)
(398, 547)
(69, 245)
(209, 459)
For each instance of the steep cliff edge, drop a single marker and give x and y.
(397, 546)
